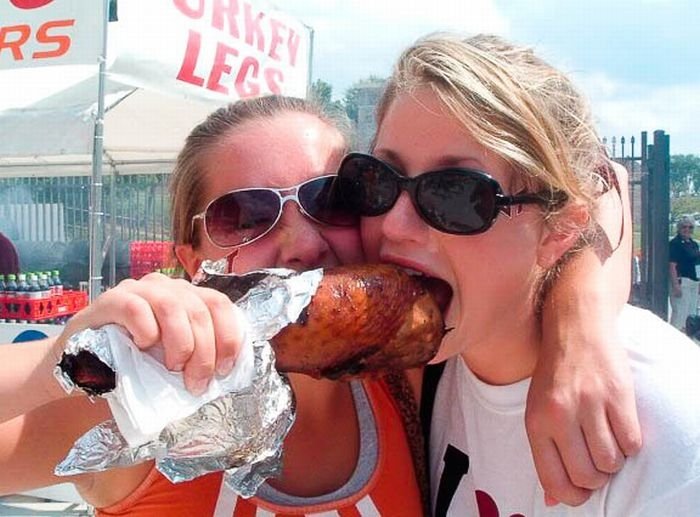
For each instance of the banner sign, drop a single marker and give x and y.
(221, 50)
(50, 32)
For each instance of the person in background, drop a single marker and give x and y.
(684, 257)
(9, 259)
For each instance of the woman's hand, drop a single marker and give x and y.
(201, 329)
(581, 415)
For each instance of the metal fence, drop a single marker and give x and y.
(48, 220)
(56, 209)
(648, 167)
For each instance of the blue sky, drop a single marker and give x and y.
(637, 61)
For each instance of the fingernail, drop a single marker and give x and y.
(198, 387)
(550, 501)
(225, 366)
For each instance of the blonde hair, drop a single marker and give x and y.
(514, 104)
(187, 181)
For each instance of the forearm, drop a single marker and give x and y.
(673, 274)
(595, 283)
(610, 277)
(26, 377)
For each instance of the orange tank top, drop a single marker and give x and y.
(391, 488)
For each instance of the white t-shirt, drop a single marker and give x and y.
(478, 432)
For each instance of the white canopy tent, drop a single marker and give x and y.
(143, 131)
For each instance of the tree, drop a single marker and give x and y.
(685, 171)
(350, 100)
(322, 92)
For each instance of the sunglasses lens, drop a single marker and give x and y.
(368, 185)
(238, 217)
(322, 200)
(455, 202)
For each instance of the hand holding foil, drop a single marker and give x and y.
(237, 425)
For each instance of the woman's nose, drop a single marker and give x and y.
(302, 245)
(402, 222)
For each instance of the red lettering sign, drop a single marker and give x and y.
(30, 4)
(62, 41)
(186, 73)
(13, 37)
(14, 44)
(229, 10)
(194, 13)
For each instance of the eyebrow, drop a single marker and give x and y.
(444, 162)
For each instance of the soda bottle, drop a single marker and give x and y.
(44, 286)
(11, 301)
(56, 280)
(2, 297)
(33, 289)
(22, 286)
(49, 282)
(11, 285)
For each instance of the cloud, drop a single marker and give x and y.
(625, 109)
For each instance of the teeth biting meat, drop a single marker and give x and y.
(362, 319)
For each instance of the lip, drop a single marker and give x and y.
(407, 264)
(443, 298)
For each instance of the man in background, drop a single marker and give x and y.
(684, 255)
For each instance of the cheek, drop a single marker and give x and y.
(371, 231)
(345, 244)
(494, 271)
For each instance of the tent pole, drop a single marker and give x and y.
(311, 61)
(96, 214)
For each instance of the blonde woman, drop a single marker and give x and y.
(484, 173)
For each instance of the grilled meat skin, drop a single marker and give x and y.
(362, 319)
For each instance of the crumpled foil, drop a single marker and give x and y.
(241, 431)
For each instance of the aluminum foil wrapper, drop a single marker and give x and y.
(239, 431)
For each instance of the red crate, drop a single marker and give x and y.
(147, 256)
(30, 309)
(71, 302)
(49, 307)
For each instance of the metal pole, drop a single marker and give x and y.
(311, 61)
(95, 215)
(113, 228)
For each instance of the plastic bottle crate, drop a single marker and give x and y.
(147, 256)
(30, 309)
(38, 309)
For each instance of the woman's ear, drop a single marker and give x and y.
(561, 234)
(188, 257)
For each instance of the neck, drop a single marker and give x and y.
(509, 353)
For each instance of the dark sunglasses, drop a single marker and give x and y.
(242, 216)
(453, 200)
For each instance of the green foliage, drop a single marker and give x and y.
(322, 92)
(684, 205)
(350, 99)
(684, 169)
